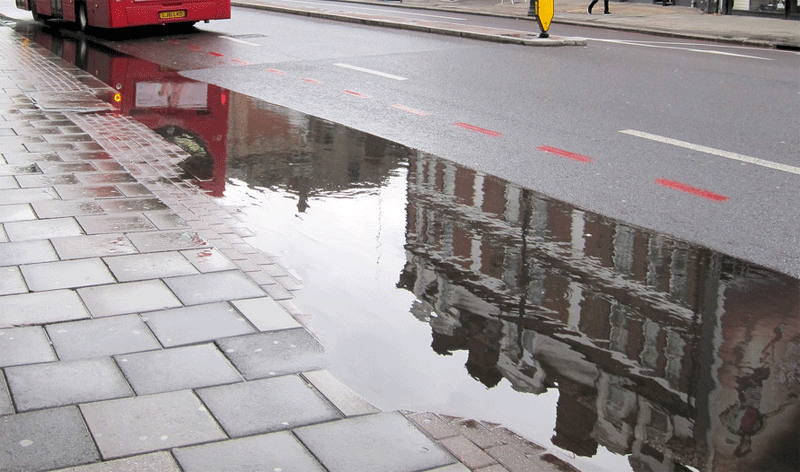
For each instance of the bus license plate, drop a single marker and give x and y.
(172, 14)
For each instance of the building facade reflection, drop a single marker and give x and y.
(671, 354)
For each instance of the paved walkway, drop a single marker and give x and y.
(139, 331)
(651, 18)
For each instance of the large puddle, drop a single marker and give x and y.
(437, 288)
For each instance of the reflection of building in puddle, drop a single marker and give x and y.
(669, 353)
(272, 147)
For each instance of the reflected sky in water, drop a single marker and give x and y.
(435, 287)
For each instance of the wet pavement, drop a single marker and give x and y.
(169, 301)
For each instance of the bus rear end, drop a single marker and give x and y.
(124, 13)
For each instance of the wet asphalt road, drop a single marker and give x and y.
(516, 100)
(662, 126)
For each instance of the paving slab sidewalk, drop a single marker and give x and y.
(138, 329)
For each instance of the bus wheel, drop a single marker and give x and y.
(34, 12)
(82, 16)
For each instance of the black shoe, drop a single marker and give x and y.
(589, 10)
(606, 12)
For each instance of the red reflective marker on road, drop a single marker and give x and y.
(692, 190)
(276, 71)
(355, 94)
(567, 154)
(216, 54)
(477, 129)
(239, 61)
(310, 81)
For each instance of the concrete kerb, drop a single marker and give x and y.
(552, 41)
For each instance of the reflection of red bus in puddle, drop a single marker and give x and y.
(190, 114)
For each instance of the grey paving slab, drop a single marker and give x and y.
(176, 369)
(149, 266)
(105, 178)
(83, 155)
(24, 345)
(434, 425)
(79, 192)
(344, 399)
(161, 461)
(274, 353)
(167, 220)
(459, 467)
(8, 182)
(27, 195)
(167, 241)
(26, 252)
(101, 337)
(150, 423)
(115, 223)
(198, 323)
(3, 235)
(15, 169)
(40, 308)
(6, 407)
(54, 167)
(132, 204)
(467, 452)
(394, 444)
(130, 297)
(18, 212)
(268, 452)
(266, 405)
(213, 287)
(62, 208)
(208, 260)
(66, 274)
(42, 229)
(134, 190)
(96, 245)
(45, 440)
(28, 158)
(11, 281)
(266, 314)
(64, 383)
(43, 180)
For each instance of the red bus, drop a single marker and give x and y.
(126, 13)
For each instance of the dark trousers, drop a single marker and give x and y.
(605, 5)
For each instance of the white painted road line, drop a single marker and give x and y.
(383, 10)
(239, 41)
(370, 71)
(679, 48)
(716, 152)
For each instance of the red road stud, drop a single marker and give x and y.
(692, 190)
(567, 154)
(355, 94)
(477, 129)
